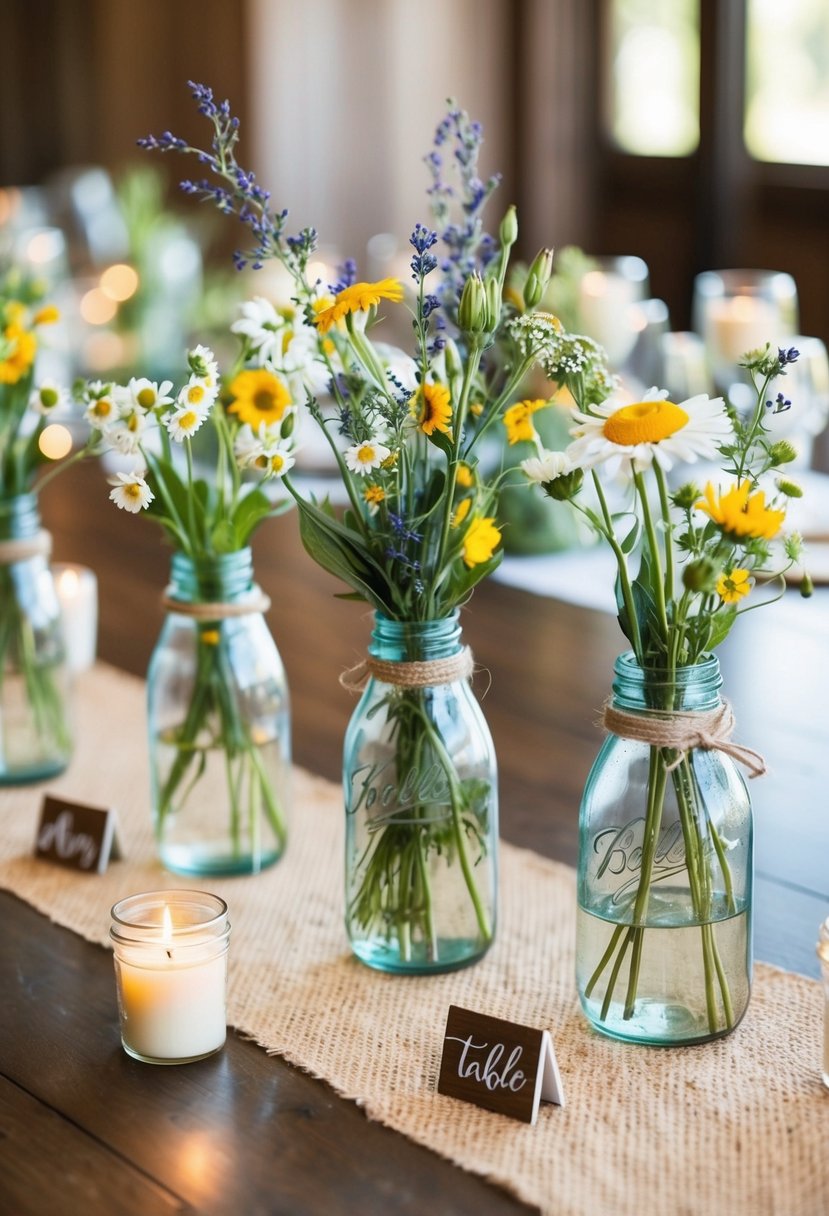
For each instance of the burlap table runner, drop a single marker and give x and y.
(738, 1126)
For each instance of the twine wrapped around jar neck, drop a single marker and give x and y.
(409, 675)
(18, 549)
(682, 731)
(217, 611)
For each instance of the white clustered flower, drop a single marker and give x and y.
(198, 394)
(264, 450)
(185, 421)
(546, 466)
(143, 394)
(263, 327)
(131, 492)
(102, 409)
(363, 457)
(628, 437)
(204, 356)
(126, 433)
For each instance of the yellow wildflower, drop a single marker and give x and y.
(374, 495)
(433, 409)
(359, 297)
(465, 476)
(734, 586)
(47, 315)
(481, 540)
(210, 637)
(741, 514)
(518, 420)
(476, 409)
(21, 356)
(461, 511)
(258, 396)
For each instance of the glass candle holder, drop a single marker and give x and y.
(608, 299)
(740, 310)
(823, 955)
(77, 589)
(170, 950)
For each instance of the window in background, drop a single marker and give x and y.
(654, 78)
(787, 81)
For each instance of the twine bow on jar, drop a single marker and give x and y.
(684, 730)
(409, 675)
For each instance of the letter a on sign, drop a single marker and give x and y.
(501, 1065)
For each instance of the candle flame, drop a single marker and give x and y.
(69, 583)
(167, 927)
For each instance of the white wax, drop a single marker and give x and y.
(77, 590)
(608, 313)
(172, 1010)
(741, 323)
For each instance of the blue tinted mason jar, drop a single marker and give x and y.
(35, 736)
(663, 951)
(421, 798)
(219, 723)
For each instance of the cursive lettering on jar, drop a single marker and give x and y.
(375, 790)
(620, 849)
(59, 838)
(486, 1070)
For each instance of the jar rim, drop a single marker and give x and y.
(126, 928)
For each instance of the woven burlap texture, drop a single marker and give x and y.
(737, 1126)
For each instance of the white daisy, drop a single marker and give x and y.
(363, 457)
(630, 437)
(198, 394)
(249, 445)
(48, 397)
(279, 461)
(184, 421)
(263, 327)
(131, 492)
(126, 434)
(546, 467)
(102, 411)
(146, 394)
(204, 366)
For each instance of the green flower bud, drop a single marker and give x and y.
(565, 487)
(806, 586)
(700, 575)
(508, 232)
(493, 305)
(288, 424)
(538, 276)
(197, 365)
(452, 359)
(472, 310)
(790, 488)
(48, 398)
(782, 452)
(685, 497)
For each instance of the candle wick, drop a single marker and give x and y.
(169, 954)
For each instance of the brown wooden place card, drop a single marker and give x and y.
(501, 1065)
(76, 835)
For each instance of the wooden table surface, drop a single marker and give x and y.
(84, 1128)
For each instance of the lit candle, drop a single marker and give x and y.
(608, 313)
(737, 324)
(170, 951)
(77, 590)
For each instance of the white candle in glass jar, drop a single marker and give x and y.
(608, 312)
(171, 968)
(77, 590)
(737, 324)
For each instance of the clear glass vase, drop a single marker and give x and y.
(219, 723)
(35, 737)
(421, 797)
(663, 950)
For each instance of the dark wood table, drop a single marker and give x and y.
(84, 1128)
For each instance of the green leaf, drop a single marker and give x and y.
(249, 513)
(721, 623)
(224, 537)
(334, 548)
(443, 442)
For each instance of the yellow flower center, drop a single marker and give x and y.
(133, 490)
(366, 454)
(146, 398)
(195, 393)
(188, 419)
(102, 408)
(133, 423)
(277, 461)
(644, 422)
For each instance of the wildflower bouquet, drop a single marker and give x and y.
(34, 732)
(666, 846)
(419, 531)
(218, 706)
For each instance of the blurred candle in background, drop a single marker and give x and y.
(77, 589)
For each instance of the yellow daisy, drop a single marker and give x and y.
(258, 396)
(21, 356)
(461, 511)
(433, 409)
(740, 514)
(518, 420)
(359, 297)
(734, 586)
(465, 476)
(47, 315)
(481, 540)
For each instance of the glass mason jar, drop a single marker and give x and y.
(663, 949)
(219, 723)
(421, 798)
(35, 739)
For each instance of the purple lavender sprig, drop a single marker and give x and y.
(239, 194)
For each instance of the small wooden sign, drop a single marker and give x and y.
(500, 1065)
(76, 835)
